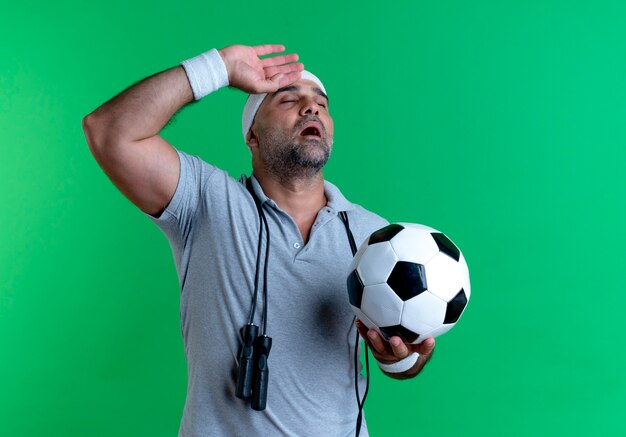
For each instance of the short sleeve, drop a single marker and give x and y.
(175, 221)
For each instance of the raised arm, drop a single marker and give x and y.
(122, 133)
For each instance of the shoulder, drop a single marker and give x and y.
(196, 166)
(362, 221)
(209, 190)
(369, 218)
(205, 174)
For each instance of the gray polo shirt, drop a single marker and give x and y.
(212, 226)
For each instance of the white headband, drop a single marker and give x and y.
(254, 102)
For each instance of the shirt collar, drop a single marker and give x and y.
(336, 200)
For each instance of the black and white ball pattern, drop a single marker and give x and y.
(408, 280)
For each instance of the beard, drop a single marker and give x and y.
(287, 156)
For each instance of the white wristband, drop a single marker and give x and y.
(400, 366)
(206, 72)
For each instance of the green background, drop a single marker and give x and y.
(501, 124)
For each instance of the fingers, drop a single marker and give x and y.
(383, 350)
(392, 350)
(279, 71)
(424, 348)
(371, 337)
(284, 69)
(361, 328)
(395, 349)
(378, 344)
(266, 49)
(400, 350)
(279, 60)
(281, 80)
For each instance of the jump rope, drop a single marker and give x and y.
(253, 371)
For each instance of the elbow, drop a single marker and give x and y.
(87, 122)
(88, 129)
(93, 130)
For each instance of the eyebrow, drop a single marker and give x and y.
(316, 90)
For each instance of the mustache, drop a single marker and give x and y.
(308, 118)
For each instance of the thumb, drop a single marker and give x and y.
(428, 346)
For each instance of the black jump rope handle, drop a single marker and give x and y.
(246, 362)
(262, 346)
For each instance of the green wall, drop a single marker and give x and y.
(501, 124)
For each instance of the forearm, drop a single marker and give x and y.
(123, 133)
(142, 110)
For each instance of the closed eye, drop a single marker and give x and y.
(322, 104)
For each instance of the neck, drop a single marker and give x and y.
(300, 198)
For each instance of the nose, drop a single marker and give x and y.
(310, 107)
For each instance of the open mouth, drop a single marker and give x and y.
(311, 131)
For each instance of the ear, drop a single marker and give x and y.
(251, 139)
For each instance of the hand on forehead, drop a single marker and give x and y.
(254, 101)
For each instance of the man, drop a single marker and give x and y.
(213, 226)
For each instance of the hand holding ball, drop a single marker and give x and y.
(408, 280)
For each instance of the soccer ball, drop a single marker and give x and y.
(408, 280)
